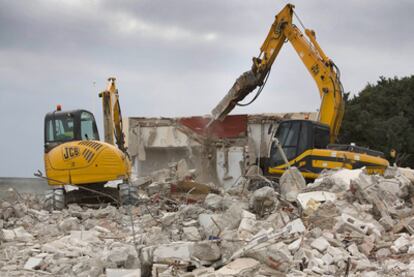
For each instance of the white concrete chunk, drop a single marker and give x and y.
(401, 244)
(173, 251)
(239, 267)
(191, 233)
(318, 196)
(22, 234)
(119, 272)
(295, 226)
(327, 259)
(33, 263)
(295, 245)
(7, 235)
(320, 244)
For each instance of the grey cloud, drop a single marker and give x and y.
(175, 58)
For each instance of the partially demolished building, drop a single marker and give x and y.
(220, 155)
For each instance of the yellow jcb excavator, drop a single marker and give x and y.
(78, 165)
(308, 145)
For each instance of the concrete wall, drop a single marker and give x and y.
(221, 158)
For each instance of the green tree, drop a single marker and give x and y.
(381, 117)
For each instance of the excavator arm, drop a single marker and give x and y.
(112, 116)
(321, 68)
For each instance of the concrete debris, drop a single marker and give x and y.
(247, 226)
(122, 256)
(341, 178)
(346, 223)
(401, 244)
(262, 200)
(191, 234)
(69, 224)
(118, 272)
(207, 251)
(33, 263)
(291, 183)
(213, 201)
(310, 201)
(295, 226)
(320, 244)
(239, 267)
(295, 245)
(17, 234)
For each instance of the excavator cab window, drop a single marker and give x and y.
(288, 134)
(89, 131)
(61, 127)
(291, 138)
(295, 136)
(321, 137)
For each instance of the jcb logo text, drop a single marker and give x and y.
(70, 152)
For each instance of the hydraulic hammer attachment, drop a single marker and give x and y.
(245, 84)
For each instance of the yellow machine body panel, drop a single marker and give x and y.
(85, 162)
(313, 161)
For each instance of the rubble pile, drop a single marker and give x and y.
(346, 223)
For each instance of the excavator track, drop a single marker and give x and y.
(91, 195)
(55, 199)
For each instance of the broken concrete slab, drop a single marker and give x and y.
(206, 251)
(278, 257)
(88, 236)
(295, 226)
(208, 222)
(191, 234)
(295, 245)
(123, 256)
(401, 244)
(213, 201)
(168, 253)
(291, 183)
(7, 235)
(340, 178)
(327, 259)
(320, 244)
(33, 263)
(351, 223)
(317, 196)
(247, 227)
(239, 267)
(119, 272)
(19, 234)
(263, 199)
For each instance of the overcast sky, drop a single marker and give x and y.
(176, 58)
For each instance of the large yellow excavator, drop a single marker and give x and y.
(308, 145)
(78, 165)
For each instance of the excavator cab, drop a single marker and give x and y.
(66, 126)
(307, 146)
(297, 136)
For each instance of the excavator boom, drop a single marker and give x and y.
(321, 68)
(112, 118)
